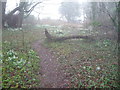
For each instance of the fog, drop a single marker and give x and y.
(61, 44)
(47, 9)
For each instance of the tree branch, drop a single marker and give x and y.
(108, 13)
(31, 9)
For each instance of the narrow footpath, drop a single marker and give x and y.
(51, 74)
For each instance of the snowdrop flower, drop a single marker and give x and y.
(20, 28)
(1, 55)
(10, 58)
(14, 57)
(84, 67)
(98, 68)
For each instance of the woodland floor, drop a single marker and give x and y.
(71, 63)
(59, 67)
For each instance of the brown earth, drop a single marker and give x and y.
(51, 74)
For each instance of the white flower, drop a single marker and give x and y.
(14, 57)
(1, 55)
(84, 67)
(98, 68)
(10, 58)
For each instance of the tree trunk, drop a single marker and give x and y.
(119, 39)
(3, 13)
(20, 19)
(0, 17)
(15, 20)
(119, 22)
(0, 29)
(53, 38)
(94, 7)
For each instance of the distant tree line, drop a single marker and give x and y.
(97, 13)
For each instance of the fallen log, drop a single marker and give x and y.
(53, 38)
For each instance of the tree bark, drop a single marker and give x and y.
(53, 38)
(119, 40)
(3, 13)
(0, 30)
(119, 22)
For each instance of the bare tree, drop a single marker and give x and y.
(3, 4)
(70, 10)
(94, 10)
(15, 20)
(0, 22)
(110, 9)
(119, 23)
(0, 15)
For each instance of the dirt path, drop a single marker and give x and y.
(52, 76)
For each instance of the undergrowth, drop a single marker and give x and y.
(20, 64)
(19, 68)
(87, 64)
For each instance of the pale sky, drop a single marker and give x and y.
(49, 8)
